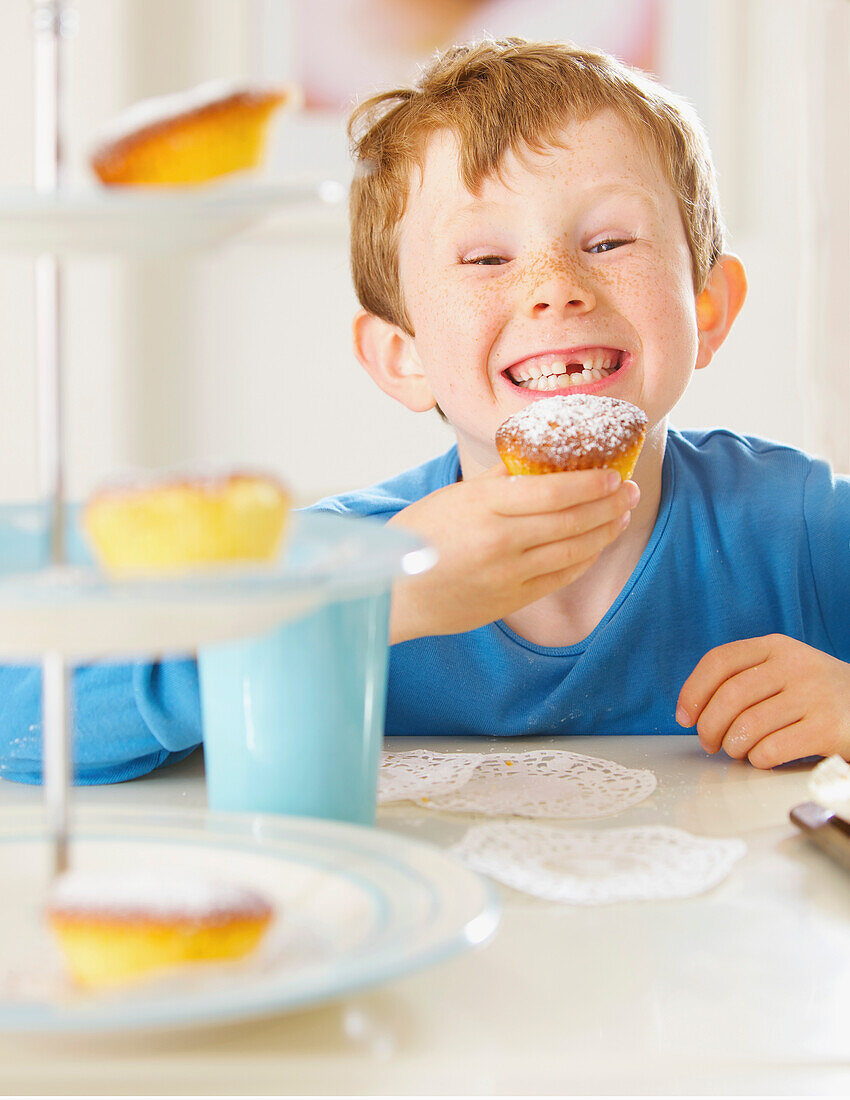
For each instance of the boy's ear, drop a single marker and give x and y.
(718, 304)
(389, 355)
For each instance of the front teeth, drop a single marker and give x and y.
(560, 379)
(556, 376)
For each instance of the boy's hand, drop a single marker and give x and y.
(771, 699)
(505, 542)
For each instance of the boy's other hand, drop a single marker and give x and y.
(505, 542)
(770, 699)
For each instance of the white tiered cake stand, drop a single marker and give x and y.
(64, 613)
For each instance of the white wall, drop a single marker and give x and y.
(243, 356)
(778, 118)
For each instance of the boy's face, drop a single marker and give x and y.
(575, 260)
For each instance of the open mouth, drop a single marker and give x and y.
(564, 371)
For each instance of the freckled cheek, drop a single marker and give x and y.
(470, 317)
(658, 302)
(677, 316)
(455, 334)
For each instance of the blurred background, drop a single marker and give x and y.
(242, 356)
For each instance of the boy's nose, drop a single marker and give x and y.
(560, 289)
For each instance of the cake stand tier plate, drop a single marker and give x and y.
(355, 906)
(145, 220)
(79, 612)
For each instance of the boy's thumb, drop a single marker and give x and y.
(499, 470)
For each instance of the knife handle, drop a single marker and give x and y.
(827, 830)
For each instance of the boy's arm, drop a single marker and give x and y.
(770, 699)
(504, 542)
(775, 699)
(122, 713)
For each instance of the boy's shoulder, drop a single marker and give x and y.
(729, 473)
(714, 452)
(387, 498)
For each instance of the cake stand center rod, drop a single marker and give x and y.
(55, 722)
(53, 21)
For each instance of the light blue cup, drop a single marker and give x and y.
(293, 722)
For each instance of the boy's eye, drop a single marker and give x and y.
(606, 246)
(486, 261)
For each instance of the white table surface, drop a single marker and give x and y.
(745, 989)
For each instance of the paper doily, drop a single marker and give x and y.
(540, 783)
(419, 774)
(597, 868)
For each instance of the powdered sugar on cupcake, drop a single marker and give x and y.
(581, 425)
(152, 895)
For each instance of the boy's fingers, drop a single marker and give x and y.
(544, 586)
(716, 666)
(567, 554)
(528, 495)
(790, 743)
(733, 697)
(568, 523)
(756, 722)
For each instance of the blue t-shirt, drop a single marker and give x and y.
(752, 538)
(128, 720)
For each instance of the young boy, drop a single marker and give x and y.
(526, 212)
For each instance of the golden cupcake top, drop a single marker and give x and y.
(559, 430)
(190, 136)
(123, 926)
(172, 524)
